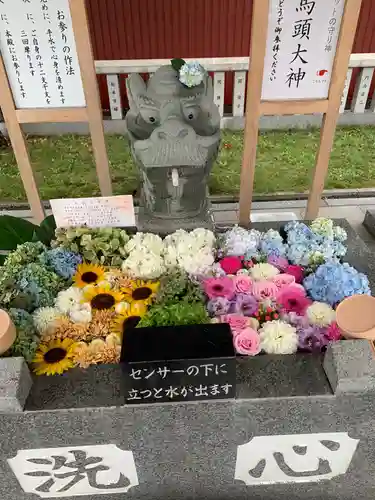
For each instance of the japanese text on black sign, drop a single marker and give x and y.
(180, 380)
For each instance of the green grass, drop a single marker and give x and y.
(64, 165)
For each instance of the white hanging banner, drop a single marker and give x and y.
(39, 52)
(301, 46)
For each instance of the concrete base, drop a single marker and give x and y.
(15, 384)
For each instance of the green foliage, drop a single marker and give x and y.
(27, 340)
(177, 63)
(176, 287)
(15, 231)
(104, 246)
(181, 313)
(24, 254)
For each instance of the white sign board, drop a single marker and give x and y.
(301, 46)
(39, 52)
(110, 211)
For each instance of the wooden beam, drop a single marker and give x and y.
(340, 66)
(17, 139)
(297, 107)
(51, 115)
(253, 106)
(94, 109)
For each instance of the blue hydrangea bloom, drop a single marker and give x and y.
(332, 282)
(63, 262)
(272, 243)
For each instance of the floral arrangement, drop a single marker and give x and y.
(190, 74)
(73, 302)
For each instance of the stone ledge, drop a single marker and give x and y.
(350, 366)
(15, 384)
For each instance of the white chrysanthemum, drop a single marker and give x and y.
(45, 317)
(277, 337)
(152, 242)
(191, 74)
(81, 314)
(68, 299)
(170, 256)
(320, 314)
(261, 272)
(142, 265)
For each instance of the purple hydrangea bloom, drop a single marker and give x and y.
(218, 306)
(245, 304)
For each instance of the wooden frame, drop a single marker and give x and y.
(330, 107)
(92, 113)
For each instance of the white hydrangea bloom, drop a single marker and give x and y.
(81, 314)
(69, 299)
(152, 242)
(143, 265)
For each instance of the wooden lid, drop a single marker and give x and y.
(355, 316)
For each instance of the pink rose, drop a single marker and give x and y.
(243, 284)
(247, 342)
(237, 322)
(282, 280)
(264, 290)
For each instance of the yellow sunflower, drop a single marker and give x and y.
(128, 319)
(141, 291)
(102, 297)
(88, 274)
(54, 357)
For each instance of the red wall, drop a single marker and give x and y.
(153, 29)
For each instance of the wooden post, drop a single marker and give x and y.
(94, 109)
(17, 139)
(253, 105)
(339, 72)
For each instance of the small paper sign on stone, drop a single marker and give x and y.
(75, 471)
(110, 211)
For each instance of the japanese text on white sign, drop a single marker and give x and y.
(301, 46)
(39, 52)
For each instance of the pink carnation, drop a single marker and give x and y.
(247, 342)
(243, 284)
(282, 280)
(219, 287)
(293, 298)
(231, 264)
(237, 322)
(296, 271)
(264, 290)
(333, 332)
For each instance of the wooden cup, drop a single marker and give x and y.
(7, 331)
(355, 316)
